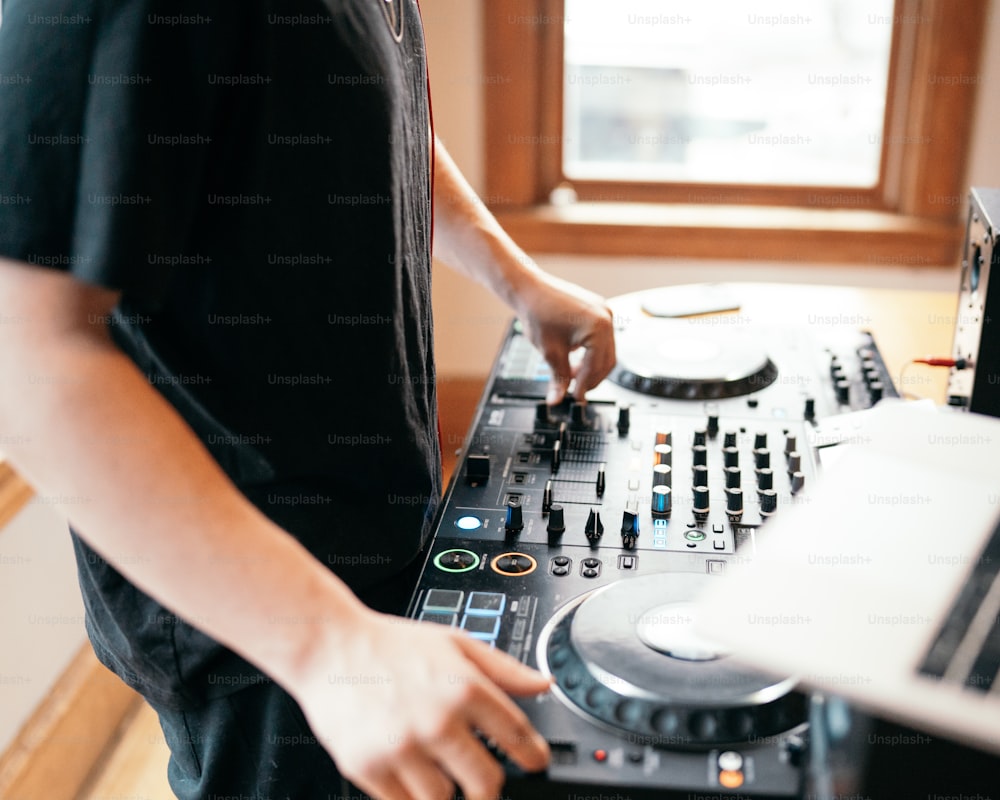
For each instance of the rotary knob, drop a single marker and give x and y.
(594, 529)
(843, 390)
(734, 502)
(761, 458)
(809, 409)
(699, 475)
(514, 523)
(790, 443)
(661, 475)
(794, 462)
(730, 457)
(876, 389)
(699, 454)
(798, 481)
(661, 500)
(729, 439)
(768, 502)
(760, 441)
(630, 530)
(557, 521)
(765, 479)
(700, 500)
(663, 454)
(699, 437)
(732, 477)
(624, 420)
(712, 425)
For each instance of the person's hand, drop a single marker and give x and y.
(398, 705)
(560, 317)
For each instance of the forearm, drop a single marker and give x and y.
(142, 490)
(559, 317)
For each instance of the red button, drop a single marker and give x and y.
(600, 755)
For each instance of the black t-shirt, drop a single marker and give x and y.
(254, 176)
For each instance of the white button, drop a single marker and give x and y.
(730, 761)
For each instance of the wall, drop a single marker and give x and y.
(470, 322)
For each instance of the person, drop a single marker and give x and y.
(215, 232)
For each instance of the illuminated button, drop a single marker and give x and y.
(600, 756)
(731, 779)
(730, 761)
(695, 536)
(468, 523)
(633, 484)
(481, 627)
(661, 501)
(443, 600)
(663, 454)
(486, 604)
(514, 564)
(456, 560)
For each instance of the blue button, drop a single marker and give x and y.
(468, 523)
(481, 627)
(659, 523)
(486, 604)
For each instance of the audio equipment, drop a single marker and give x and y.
(575, 538)
(976, 387)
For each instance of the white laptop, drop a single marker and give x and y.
(881, 584)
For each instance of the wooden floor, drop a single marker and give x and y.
(136, 767)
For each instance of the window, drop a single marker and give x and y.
(903, 207)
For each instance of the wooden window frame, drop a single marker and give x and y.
(912, 217)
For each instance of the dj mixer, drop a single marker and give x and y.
(576, 538)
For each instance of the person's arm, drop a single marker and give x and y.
(397, 703)
(559, 316)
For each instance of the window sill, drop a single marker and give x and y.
(879, 238)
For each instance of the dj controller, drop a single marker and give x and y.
(576, 538)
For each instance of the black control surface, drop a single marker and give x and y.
(577, 537)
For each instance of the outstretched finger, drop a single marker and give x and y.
(470, 765)
(594, 367)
